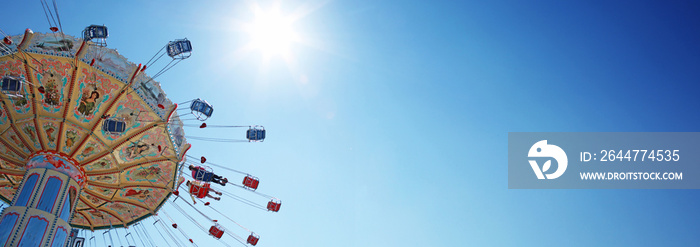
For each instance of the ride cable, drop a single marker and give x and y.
(218, 126)
(127, 239)
(159, 220)
(179, 229)
(236, 237)
(232, 170)
(235, 197)
(183, 212)
(118, 238)
(136, 229)
(148, 236)
(93, 238)
(240, 199)
(4, 46)
(178, 50)
(224, 215)
(149, 64)
(213, 164)
(55, 26)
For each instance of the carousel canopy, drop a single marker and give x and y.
(104, 117)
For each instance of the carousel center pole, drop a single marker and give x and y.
(42, 208)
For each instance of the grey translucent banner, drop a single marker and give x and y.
(604, 160)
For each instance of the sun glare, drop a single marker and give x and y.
(272, 33)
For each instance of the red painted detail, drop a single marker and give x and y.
(216, 232)
(251, 182)
(42, 233)
(36, 123)
(177, 192)
(13, 223)
(67, 202)
(24, 39)
(161, 106)
(124, 168)
(111, 214)
(44, 190)
(64, 230)
(95, 195)
(21, 138)
(133, 76)
(83, 214)
(115, 216)
(58, 138)
(159, 148)
(20, 154)
(41, 89)
(144, 68)
(71, 163)
(182, 158)
(54, 29)
(73, 78)
(12, 173)
(92, 62)
(87, 204)
(7, 40)
(6, 159)
(204, 125)
(34, 102)
(79, 50)
(26, 203)
(171, 112)
(117, 200)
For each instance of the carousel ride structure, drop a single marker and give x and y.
(88, 140)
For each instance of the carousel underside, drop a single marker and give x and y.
(62, 108)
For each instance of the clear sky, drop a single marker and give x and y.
(388, 120)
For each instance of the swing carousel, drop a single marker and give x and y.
(89, 141)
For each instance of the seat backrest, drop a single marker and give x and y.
(114, 126)
(11, 84)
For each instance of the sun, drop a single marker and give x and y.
(272, 32)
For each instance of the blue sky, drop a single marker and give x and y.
(389, 127)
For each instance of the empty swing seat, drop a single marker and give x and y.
(274, 205)
(95, 33)
(253, 239)
(255, 135)
(114, 126)
(201, 109)
(11, 84)
(180, 48)
(216, 231)
(251, 182)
